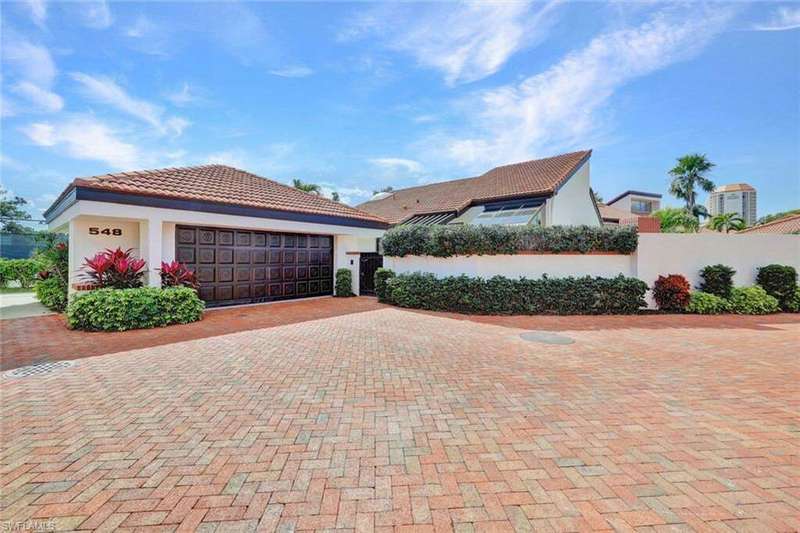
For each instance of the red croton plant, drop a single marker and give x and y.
(115, 269)
(176, 274)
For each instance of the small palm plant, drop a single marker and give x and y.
(676, 220)
(727, 222)
(311, 188)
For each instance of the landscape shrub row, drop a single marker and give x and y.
(344, 283)
(448, 241)
(504, 296)
(134, 308)
(52, 284)
(23, 271)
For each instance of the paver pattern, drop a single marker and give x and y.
(390, 419)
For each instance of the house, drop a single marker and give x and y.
(248, 238)
(785, 225)
(548, 192)
(636, 203)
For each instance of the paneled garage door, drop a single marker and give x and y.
(242, 266)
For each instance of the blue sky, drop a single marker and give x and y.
(361, 96)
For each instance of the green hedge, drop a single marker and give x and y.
(382, 277)
(22, 270)
(52, 293)
(793, 304)
(780, 281)
(504, 296)
(448, 241)
(752, 301)
(703, 303)
(344, 282)
(143, 307)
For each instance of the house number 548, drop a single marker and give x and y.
(105, 231)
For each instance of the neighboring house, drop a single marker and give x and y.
(547, 192)
(249, 239)
(739, 198)
(636, 203)
(787, 225)
(613, 216)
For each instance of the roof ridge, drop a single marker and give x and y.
(770, 223)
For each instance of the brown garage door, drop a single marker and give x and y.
(242, 266)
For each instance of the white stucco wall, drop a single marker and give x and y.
(572, 205)
(83, 244)
(657, 254)
(347, 255)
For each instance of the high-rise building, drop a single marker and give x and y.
(739, 198)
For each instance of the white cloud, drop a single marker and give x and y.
(96, 14)
(296, 71)
(231, 158)
(38, 11)
(43, 99)
(347, 195)
(784, 18)
(10, 162)
(397, 163)
(29, 61)
(466, 42)
(141, 27)
(184, 96)
(85, 137)
(560, 107)
(107, 91)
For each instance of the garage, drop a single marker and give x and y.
(236, 266)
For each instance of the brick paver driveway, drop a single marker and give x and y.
(394, 418)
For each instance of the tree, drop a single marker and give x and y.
(335, 196)
(385, 189)
(597, 197)
(311, 188)
(687, 176)
(676, 220)
(727, 222)
(11, 210)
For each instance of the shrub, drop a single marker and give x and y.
(51, 292)
(717, 280)
(382, 277)
(116, 269)
(500, 295)
(780, 281)
(176, 274)
(136, 308)
(448, 241)
(52, 287)
(671, 293)
(22, 270)
(704, 303)
(752, 301)
(344, 282)
(793, 305)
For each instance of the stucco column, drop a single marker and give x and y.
(74, 262)
(150, 240)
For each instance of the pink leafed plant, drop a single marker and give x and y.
(176, 274)
(115, 269)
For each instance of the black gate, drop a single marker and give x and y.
(369, 263)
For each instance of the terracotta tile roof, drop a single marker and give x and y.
(220, 184)
(530, 178)
(733, 187)
(790, 224)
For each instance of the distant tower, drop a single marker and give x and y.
(739, 198)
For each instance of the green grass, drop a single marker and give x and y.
(13, 290)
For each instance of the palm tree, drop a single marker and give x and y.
(335, 196)
(689, 174)
(676, 220)
(312, 188)
(727, 222)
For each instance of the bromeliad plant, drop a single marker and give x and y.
(176, 274)
(115, 269)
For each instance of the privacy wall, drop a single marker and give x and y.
(657, 254)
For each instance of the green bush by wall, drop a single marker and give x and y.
(780, 281)
(500, 295)
(52, 293)
(138, 308)
(344, 282)
(448, 241)
(752, 301)
(793, 304)
(382, 277)
(22, 270)
(703, 303)
(717, 280)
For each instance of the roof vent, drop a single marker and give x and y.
(381, 196)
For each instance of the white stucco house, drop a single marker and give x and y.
(251, 239)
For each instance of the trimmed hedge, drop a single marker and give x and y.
(448, 241)
(703, 303)
(382, 277)
(344, 282)
(780, 281)
(138, 308)
(52, 293)
(793, 305)
(504, 296)
(717, 280)
(22, 270)
(752, 301)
